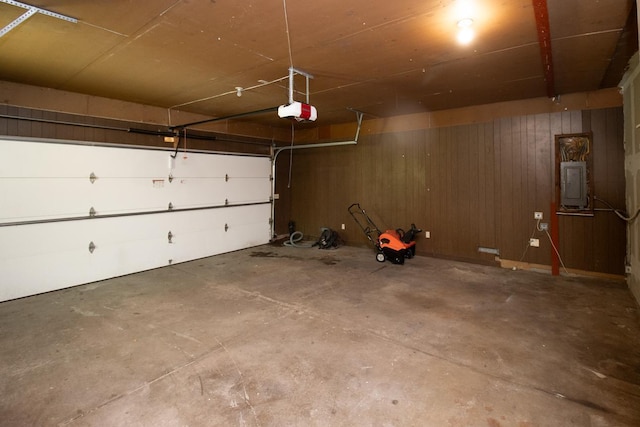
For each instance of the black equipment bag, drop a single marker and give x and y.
(328, 239)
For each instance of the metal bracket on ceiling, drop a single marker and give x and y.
(307, 76)
(31, 10)
(354, 141)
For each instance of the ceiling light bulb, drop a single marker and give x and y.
(465, 35)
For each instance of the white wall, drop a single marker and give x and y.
(219, 203)
(631, 93)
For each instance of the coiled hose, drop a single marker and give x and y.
(296, 237)
(294, 240)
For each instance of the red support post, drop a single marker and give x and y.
(544, 39)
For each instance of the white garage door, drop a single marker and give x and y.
(74, 213)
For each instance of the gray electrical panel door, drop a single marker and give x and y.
(573, 184)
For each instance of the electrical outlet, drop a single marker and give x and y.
(544, 226)
(537, 215)
(427, 234)
(534, 242)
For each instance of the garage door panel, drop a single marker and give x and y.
(58, 198)
(43, 257)
(48, 240)
(248, 228)
(55, 183)
(196, 192)
(47, 158)
(218, 231)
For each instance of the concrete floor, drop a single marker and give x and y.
(278, 336)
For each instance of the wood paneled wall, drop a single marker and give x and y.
(471, 186)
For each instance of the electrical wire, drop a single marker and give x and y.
(239, 90)
(556, 250)
(286, 24)
(291, 154)
(533, 233)
(619, 212)
(230, 92)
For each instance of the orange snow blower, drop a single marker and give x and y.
(394, 245)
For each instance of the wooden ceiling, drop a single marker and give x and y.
(380, 57)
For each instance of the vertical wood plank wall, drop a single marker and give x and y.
(471, 186)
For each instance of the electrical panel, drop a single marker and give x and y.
(573, 185)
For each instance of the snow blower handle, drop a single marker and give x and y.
(365, 223)
(355, 204)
